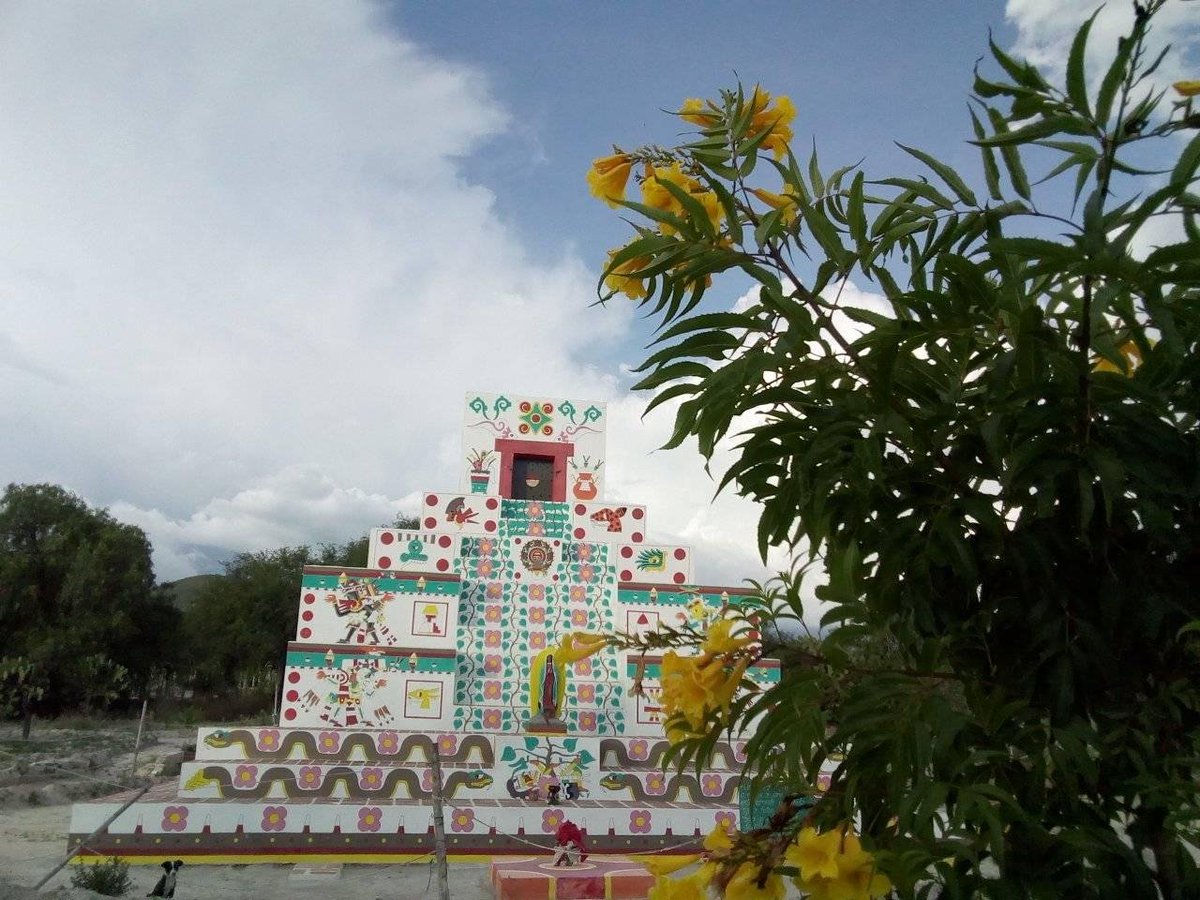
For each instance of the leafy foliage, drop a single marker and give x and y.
(240, 624)
(110, 878)
(82, 619)
(997, 463)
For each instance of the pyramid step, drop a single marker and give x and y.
(320, 781)
(343, 745)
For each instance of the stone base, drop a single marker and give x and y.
(541, 725)
(597, 878)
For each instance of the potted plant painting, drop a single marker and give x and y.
(584, 486)
(481, 469)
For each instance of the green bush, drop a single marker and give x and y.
(110, 878)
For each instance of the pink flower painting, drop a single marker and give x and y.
(245, 776)
(551, 819)
(268, 739)
(369, 818)
(639, 821)
(726, 820)
(309, 778)
(274, 818)
(462, 819)
(174, 818)
(388, 743)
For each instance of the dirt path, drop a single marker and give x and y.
(33, 840)
(40, 778)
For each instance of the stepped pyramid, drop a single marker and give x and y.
(440, 646)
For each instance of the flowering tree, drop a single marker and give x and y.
(997, 463)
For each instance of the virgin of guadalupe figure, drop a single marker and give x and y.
(547, 689)
(548, 676)
(549, 702)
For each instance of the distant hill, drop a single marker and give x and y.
(185, 590)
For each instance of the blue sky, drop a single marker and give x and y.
(256, 253)
(577, 79)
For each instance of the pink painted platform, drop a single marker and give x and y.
(598, 878)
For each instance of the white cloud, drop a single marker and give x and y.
(1045, 32)
(246, 285)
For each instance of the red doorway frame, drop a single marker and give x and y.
(556, 451)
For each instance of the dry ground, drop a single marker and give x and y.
(63, 762)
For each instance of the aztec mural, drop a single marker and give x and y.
(451, 642)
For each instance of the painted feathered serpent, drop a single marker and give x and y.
(307, 742)
(344, 775)
(618, 781)
(654, 759)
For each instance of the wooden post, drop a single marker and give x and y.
(83, 844)
(439, 828)
(137, 743)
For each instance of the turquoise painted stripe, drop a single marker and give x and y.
(764, 674)
(667, 597)
(388, 583)
(299, 659)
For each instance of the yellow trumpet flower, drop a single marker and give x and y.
(608, 176)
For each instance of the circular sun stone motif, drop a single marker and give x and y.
(537, 556)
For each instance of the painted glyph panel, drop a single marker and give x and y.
(412, 551)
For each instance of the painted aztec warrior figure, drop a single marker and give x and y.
(472, 637)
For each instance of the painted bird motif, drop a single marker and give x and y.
(610, 516)
(424, 697)
(459, 513)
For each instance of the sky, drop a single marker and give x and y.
(255, 254)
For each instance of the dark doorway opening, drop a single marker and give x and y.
(532, 477)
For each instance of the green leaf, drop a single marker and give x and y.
(945, 172)
(1039, 128)
(991, 172)
(1112, 80)
(1021, 72)
(1011, 156)
(1076, 77)
(1185, 169)
(856, 217)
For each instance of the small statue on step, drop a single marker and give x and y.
(570, 849)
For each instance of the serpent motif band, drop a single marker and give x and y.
(361, 740)
(657, 751)
(617, 781)
(344, 775)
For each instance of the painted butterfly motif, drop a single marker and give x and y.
(610, 516)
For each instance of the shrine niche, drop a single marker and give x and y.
(462, 638)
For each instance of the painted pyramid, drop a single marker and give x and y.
(439, 646)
